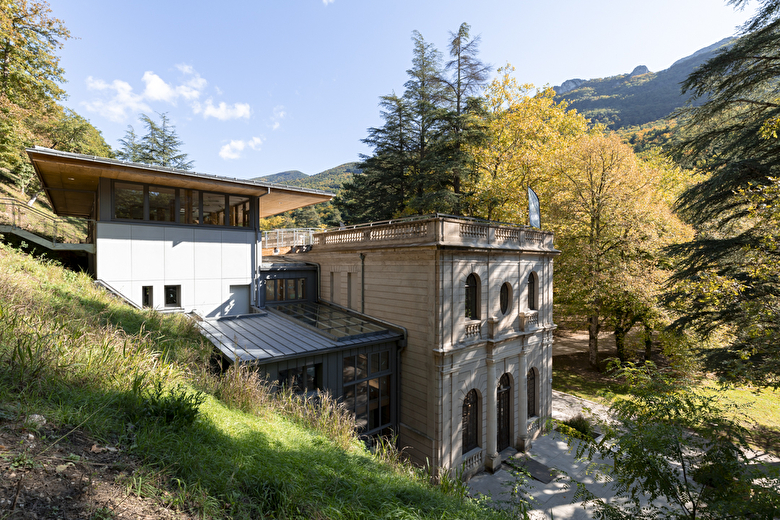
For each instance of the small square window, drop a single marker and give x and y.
(147, 296)
(173, 295)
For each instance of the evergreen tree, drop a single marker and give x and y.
(131, 146)
(160, 145)
(466, 115)
(425, 96)
(732, 137)
(381, 190)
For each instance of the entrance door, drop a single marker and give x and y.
(504, 412)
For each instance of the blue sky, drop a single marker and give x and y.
(258, 87)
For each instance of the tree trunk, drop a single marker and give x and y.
(620, 343)
(593, 341)
(648, 341)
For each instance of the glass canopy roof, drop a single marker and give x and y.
(329, 321)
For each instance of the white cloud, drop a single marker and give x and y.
(277, 117)
(223, 111)
(123, 101)
(326, 2)
(117, 100)
(233, 149)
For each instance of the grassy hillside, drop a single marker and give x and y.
(627, 100)
(328, 180)
(132, 405)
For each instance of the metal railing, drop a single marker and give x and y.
(290, 237)
(57, 230)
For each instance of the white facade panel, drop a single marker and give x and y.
(131, 256)
(179, 253)
(207, 251)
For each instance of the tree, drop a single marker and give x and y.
(161, 145)
(612, 224)
(468, 75)
(732, 139)
(131, 146)
(523, 130)
(672, 442)
(69, 132)
(383, 187)
(30, 75)
(421, 155)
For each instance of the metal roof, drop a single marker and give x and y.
(274, 336)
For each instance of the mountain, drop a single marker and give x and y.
(636, 98)
(328, 180)
(283, 177)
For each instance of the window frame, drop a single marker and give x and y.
(505, 298)
(533, 291)
(472, 297)
(224, 218)
(470, 422)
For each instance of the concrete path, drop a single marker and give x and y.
(553, 500)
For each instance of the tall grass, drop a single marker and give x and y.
(239, 449)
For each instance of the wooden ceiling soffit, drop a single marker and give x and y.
(79, 175)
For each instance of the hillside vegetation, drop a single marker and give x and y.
(138, 384)
(637, 99)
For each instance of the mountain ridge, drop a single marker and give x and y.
(637, 98)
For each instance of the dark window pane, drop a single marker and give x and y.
(472, 297)
(504, 298)
(270, 290)
(173, 295)
(361, 405)
(128, 201)
(361, 369)
(213, 209)
(373, 389)
(162, 204)
(349, 369)
(470, 426)
(375, 362)
(301, 288)
(239, 211)
(349, 398)
(532, 292)
(189, 210)
(384, 360)
(147, 296)
(290, 285)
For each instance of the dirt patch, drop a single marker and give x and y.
(76, 478)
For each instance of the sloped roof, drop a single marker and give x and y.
(274, 335)
(71, 182)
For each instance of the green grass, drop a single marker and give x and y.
(762, 409)
(127, 378)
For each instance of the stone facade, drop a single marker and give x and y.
(415, 273)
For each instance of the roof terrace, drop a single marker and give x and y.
(439, 230)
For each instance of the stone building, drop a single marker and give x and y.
(475, 298)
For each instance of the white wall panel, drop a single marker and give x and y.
(179, 253)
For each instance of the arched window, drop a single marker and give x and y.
(505, 298)
(531, 390)
(470, 421)
(504, 415)
(472, 297)
(533, 291)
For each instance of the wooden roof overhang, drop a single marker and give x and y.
(71, 183)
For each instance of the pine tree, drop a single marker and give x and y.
(131, 146)
(161, 145)
(732, 138)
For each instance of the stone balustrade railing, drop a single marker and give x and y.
(445, 230)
